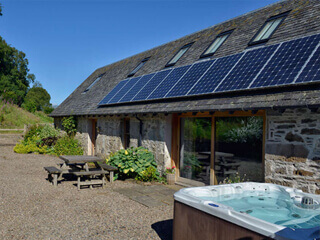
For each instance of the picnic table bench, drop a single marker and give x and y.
(53, 174)
(78, 166)
(90, 181)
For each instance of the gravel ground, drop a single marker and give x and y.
(31, 208)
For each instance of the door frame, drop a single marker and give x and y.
(176, 128)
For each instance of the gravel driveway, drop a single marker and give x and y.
(31, 208)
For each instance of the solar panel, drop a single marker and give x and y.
(246, 69)
(168, 82)
(286, 63)
(189, 79)
(311, 71)
(151, 85)
(124, 90)
(136, 88)
(215, 74)
(114, 92)
(296, 61)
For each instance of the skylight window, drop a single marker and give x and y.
(94, 82)
(269, 27)
(140, 65)
(178, 55)
(219, 40)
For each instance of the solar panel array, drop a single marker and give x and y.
(292, 62)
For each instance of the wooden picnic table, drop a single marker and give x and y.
(70, 160)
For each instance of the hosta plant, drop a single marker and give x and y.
(133, 163)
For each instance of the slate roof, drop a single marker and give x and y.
(303, 20)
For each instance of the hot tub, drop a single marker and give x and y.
(246, 211)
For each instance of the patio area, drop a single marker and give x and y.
(31, 208)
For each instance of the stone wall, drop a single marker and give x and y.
(109, 136)
(83, 134)
(293, 149)
(156, 136)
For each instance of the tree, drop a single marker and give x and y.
(38, 97)
(14, 77)
(0, 10)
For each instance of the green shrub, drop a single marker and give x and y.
(33, 131)
(68, 146)
(70, 125)
(132, 162)
(48, 131)
(30, 146)
(148, 175)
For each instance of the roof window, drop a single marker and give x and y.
(217, 42)
(140, 65)
(178, 55)
(94, 82)
(269, 27)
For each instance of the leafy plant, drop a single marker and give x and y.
(48, 131)
(30, 146)
(70, 126)
(132, 162)
(148, 175)
(68, 146)
(33, 131)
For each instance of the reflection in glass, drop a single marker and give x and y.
(195, 142)
(238, 149)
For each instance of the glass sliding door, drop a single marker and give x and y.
(238, 149)
(195, 148)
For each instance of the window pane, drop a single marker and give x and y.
(268, 29)
(272, 28)
(195, 149)
(216, 44)
(263, 31)
(178, 55)
(238, 148)
(94, 82)
(137, 68)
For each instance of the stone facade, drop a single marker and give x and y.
(156, 136)
(293, 149)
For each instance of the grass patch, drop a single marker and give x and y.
(14, 117)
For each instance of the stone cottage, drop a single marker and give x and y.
(238, 99)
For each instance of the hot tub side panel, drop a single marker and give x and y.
(192, 224)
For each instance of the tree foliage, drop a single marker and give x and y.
(0, 10)
(14, 77)
(38, 98)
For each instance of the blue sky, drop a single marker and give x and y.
(66, 40)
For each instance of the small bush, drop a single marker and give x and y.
(30, 146)
(70, 126)
(148, 175)
(33, 131)
(48, 131)
(133, 162)
(68, 146)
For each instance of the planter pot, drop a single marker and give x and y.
(171, 178)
